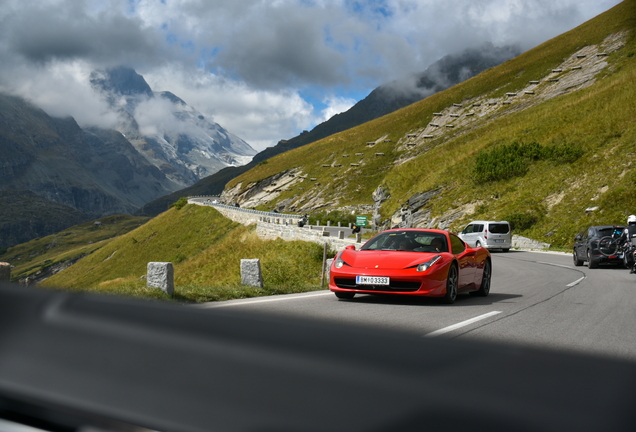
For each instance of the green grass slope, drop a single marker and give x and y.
(205, 249)
(550, 197)
(40, 256)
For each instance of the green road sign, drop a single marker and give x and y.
(361, 221)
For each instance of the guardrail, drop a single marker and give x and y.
(211, 198)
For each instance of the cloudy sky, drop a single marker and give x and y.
(264, 70)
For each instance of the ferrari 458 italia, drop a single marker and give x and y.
(420, 262)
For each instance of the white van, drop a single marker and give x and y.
(488, 234)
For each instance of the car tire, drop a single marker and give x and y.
(505, 250)
(575, 258)
(477, 243)
(484, 288)
(344, 295)
(451, 285)
(591, 263)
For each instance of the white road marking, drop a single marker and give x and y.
(461, 324)
(261, 300)
(571, 284)
(575, 282)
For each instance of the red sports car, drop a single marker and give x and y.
(420, 262)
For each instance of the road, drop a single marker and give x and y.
(536, 299)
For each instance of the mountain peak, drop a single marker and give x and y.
(121, 80)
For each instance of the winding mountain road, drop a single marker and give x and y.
(537, 299)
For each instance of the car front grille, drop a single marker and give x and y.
(393, 286)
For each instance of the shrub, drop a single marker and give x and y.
(521, 221)
(513, 160)
(562, 153)
(180, 203)
(502, 162)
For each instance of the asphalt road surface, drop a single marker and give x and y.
(536, 299)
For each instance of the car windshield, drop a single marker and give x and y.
(499, 228)
(408, 241)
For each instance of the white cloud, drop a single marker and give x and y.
(260, 117)
(335, 105)
(61, 90)
(245, 63)
(154, 115)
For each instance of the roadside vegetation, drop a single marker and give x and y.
(205, 249)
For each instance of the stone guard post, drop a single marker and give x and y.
(251, 272)
(161, 275)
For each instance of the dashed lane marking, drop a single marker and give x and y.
(461, 324)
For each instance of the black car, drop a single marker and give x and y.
(586, 246)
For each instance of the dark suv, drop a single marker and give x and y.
(586, 246)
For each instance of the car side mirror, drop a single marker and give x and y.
(578, 237)
(350, 247)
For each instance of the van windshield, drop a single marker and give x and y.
(499, 228)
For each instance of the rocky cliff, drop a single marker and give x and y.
(94, 171)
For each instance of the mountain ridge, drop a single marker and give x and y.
(443, 73)
(390, 161)
(93, 170)
(99, 171)
(169, 133)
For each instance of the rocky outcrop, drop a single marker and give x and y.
(412, 214)
(48, 271)
(380, 195)
(263, 191)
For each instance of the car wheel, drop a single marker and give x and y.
(451, 285)
(484, 288)
(590, 262)
(505, 250)
(577, 261)
(478, 244)
(344, 294)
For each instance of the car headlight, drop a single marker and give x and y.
(426, 265)
(338, 262)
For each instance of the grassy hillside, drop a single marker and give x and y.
(550, 195)
(206, 250)
(38, 256)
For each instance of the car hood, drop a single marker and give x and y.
(385, 259)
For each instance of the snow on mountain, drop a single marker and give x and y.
(169, 133)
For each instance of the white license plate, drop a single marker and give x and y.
(372, 280)
(499, 241)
